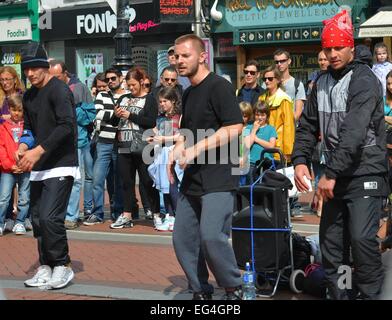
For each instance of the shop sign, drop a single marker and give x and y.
(102, 22)
(226, 48)
(15, 30)
(248, 13)
(298, 61)
(281, 35)
(10, 58)
(177, 11)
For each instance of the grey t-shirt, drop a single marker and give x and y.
(289, 88)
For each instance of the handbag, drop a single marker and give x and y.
(137, 143)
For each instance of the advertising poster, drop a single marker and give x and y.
(93, 64)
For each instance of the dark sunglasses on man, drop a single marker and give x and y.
(114, 78)
(251, 72)
(281, 61)
(170, 79)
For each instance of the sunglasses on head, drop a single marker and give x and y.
(170, 79)
(250, 72)
(268, 78)
(281, 61)
(111, 79)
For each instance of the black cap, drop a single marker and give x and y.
(34, 56)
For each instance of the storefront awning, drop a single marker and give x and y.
(380, 25)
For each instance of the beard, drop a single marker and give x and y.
(114, 87)
(191, 71)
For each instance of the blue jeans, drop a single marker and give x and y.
(7, 184)
(86, 168)
(106, 153)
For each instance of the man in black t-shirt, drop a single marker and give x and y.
(206, 201)
(48, 148)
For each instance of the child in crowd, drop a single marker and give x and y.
(10, 133)
(262, 135)
(166, 134)
(388, 100)
(382, 65)
(247, 116)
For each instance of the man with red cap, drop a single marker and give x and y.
(346, 107)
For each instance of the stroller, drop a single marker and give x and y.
(261, 231)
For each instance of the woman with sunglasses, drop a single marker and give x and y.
(135, 112)
(147, 83)
(281, 110)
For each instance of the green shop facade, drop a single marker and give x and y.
(18, 25)
(254, 29)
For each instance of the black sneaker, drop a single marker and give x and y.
(202, 296)
(233, 295)
(91, 220)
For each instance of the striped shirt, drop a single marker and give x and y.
(104, 104)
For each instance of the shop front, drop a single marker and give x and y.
(259, 27)
(87, 46)
(18, 25)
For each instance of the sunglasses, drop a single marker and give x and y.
(111, 79)
(268, 78)
(147, 85)
(6, 80)
(281, 61)
(170, 79)
(250, 72)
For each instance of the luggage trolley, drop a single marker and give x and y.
(261, 232)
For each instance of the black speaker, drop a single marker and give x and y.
(271, 248)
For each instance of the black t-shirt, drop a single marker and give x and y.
(209, 105)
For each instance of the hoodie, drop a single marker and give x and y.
(10, 133)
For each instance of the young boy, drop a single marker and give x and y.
(10, 133)
(262, 135)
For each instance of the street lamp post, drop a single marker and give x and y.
(122, 39)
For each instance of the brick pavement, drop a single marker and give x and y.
(111, 264)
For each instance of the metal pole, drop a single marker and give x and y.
(122, 39)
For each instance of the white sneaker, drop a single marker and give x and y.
(157, 221)
(171, 223)
(167, 224)
(19, 229)
(41, 278)
(122, 222)
(9, 225)
(1, 231)
(61, 276)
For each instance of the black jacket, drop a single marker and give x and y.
(256, 93)
(346, 106)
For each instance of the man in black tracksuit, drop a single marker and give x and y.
(346, 106)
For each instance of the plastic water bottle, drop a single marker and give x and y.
(248, 287)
